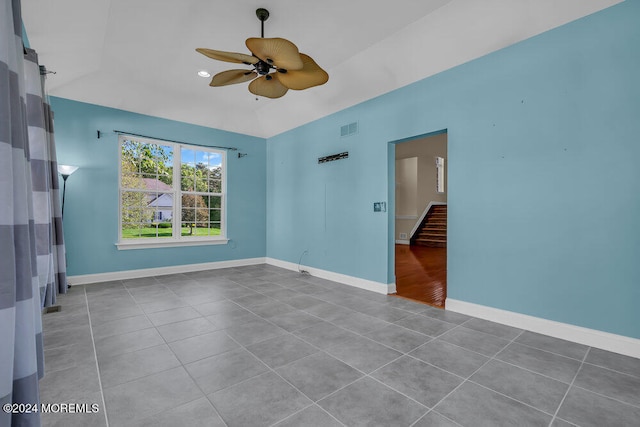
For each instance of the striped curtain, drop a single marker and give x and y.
(52, 278)
(24, 238)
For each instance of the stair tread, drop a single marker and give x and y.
(433, 230)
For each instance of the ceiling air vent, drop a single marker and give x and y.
(348, 130)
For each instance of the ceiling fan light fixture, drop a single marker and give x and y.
(204, 73)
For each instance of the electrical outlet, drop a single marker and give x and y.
(403, 236)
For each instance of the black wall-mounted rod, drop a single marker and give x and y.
(333, 157)
(121, 132)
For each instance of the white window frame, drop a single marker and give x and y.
(176, 194)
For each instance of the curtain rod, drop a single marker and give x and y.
(120, 132)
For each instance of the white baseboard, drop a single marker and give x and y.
(591, 337)
(403, 242)
(369, 285)
(160, 271)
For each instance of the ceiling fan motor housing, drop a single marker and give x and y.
(262, 68)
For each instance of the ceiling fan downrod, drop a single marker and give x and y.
(263, 15)
(263, 68)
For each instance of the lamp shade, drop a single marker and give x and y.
(66, 170)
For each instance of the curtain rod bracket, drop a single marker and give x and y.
(44, 71)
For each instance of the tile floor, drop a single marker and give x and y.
(259, 346)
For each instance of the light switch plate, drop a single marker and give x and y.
(379, 206)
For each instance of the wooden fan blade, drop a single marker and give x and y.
(271, 88)
(238, 58)
(231, 77)
(276, 51)
(310, 75)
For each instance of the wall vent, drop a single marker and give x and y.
(333, 157)
(348, 130)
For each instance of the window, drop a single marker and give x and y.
(170, 194)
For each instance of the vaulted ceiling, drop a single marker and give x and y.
(140, 55)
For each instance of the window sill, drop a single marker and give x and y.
(123, 246)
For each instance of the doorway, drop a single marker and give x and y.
(420, 226)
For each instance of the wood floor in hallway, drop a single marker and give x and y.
(421, 274)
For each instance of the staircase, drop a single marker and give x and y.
(433, 230)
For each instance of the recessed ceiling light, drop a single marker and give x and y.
(203, 73)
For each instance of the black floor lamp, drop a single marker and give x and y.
(65, 171)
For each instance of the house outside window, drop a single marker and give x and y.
(170, 194)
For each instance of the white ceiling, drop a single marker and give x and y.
(139, 55)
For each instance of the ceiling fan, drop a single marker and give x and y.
(277, 66)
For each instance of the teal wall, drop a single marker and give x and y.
(544, 177)
(91, 202)
(25, 39)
